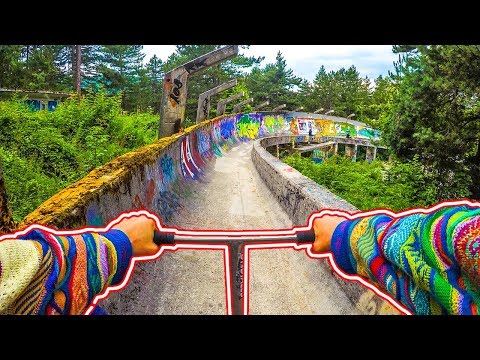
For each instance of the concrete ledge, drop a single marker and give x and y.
(299, 196)
(68, 208)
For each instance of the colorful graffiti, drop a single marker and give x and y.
(162, 189)
(368, 133)
(189, 166)
(274, 124)
(167, 204)
(293, 126)
(204, 144)
(93, 215)
(168, 172)
(342, 129)
(324, 127)
(248, 126)
(227, 128)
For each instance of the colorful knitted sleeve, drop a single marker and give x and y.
(45, 274)
(428, 262)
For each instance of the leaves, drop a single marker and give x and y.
(396, 185)
(435, 115)
(43, 152)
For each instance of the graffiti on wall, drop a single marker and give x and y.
(175, 91)
(205, 107)
(342, 129)
(190, 169)
(368, 133)
(273, 125)
(204, 144)
(167, 174)
(227, 129)
(325, 127)
(167, 204)
(248, 126)
(162, 191)
(293, 128)
(93, 215)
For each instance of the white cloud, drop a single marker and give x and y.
(305, 60)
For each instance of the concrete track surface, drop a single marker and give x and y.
(231, 195)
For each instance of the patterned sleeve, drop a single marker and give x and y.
(428, 262)
(45, 274)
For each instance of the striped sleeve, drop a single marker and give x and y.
(428, 262)
(64, 273)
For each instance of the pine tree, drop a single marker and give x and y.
(276, 83)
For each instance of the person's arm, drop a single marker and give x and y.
(45, 274)
(421, 260)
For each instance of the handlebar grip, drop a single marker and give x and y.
(306, 237)
(161, 238)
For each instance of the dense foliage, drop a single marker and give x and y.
(396, 186)
(436, 115)
(43, 152)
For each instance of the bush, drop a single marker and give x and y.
(44, 151)
(396, 186)
(26, 184)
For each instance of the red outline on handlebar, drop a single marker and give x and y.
(239, 234)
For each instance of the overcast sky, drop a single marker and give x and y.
(305, 60)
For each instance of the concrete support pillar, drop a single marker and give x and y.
(174, 95)
(350, 150)
(262, 105)
(279, 107)
(203, 108)
(237, 107)
(371, 153)
(278, 152)
(335, 149)
(222, 104)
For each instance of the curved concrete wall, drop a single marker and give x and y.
(299, 196)
(157, 177)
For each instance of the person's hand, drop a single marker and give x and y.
(139, 230)
(324, 228)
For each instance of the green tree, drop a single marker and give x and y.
(436, 114)
(119, 70)
(10, 67)
(343, 90)
(275, 82)
(380, 107)
(148, 90)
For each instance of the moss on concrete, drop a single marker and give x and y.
(67, 208)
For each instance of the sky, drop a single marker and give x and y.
(305, 60)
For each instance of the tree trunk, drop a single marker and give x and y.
(475, 173)
(6, 222)
(78, 74)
